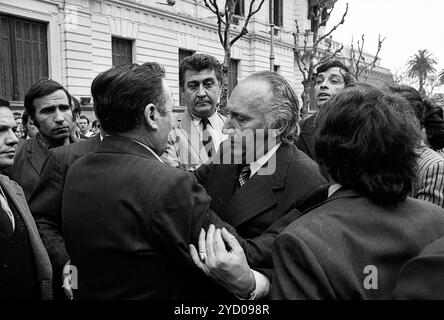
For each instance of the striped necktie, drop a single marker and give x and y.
(207, 139)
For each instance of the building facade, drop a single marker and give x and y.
(71, 41)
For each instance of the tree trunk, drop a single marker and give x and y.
(306, 99)
(224, 84)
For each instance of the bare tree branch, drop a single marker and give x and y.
(336, 26)
(251, 12)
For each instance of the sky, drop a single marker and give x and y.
(408, 25)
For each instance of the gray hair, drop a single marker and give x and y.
(283, 110)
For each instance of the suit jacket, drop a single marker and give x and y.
(422, 277)
(185, 149)
(43, 266)
(264, 201)
(28, 163)
(306, 142)
(128, 220)
(330, 252)
(46, 200)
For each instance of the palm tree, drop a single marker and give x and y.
(420, 66)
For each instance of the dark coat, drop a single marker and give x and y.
(325, 254)
(423, 276)
(28, 164)
(306, 141)
(46, 200)
(128, 220)
(43, 266)
(265, 200)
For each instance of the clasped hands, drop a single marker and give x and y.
(221, 257)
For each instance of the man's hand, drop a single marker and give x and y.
(67, 281)
(222, 259)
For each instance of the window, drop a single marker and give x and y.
(182, 55)
(23, 55)
(232, 75)
(312, 11)
(278, 13)
(276, 68)
(240, 8)
(122, 50)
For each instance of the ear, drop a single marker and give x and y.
(151, 115)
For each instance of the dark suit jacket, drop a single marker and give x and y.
(46, 200)
(324, 254)
(43, 266)
(128, 220)
(28, 163)
(306, 142)
(264, 201)
(423, 276)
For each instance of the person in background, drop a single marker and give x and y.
(198, 132)
(434, 126)
(331, 78)
(29, 129)
(48, 104)
(429, 185)
(83, 123)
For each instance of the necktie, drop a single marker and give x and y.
(244, 175)
(5, 223)
(207, 139)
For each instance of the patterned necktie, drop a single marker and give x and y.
(207, 139)
(244, 175)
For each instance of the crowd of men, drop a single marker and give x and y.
(254, 204)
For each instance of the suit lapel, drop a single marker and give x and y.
(36, 155)
(258, 194)
(194, 145)
(222, 186)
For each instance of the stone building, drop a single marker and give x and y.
(71, 41)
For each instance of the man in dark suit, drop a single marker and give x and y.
(262, 101)
(422, 277)
(25, 269)
(48, 104)
(127, 216)
(46, 203)
(353, 245)
(279, 177)
(331, 78)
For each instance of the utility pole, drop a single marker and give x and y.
(271, 18)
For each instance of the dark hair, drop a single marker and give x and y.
(283, 110)
(84, 117)
(95, 124)
(25, 118)
(4, 102)
(16, 115)
(366, 145)
(346, 74)
(199, 62)
(40, 89)
(414, 99)
(121, 94)
(434, 124)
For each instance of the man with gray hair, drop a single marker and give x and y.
(271, 179)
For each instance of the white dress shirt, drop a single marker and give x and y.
(215, 128)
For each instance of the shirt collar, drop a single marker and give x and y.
(212, 119)
(333, 188)
(259, 163)
(149, 149)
